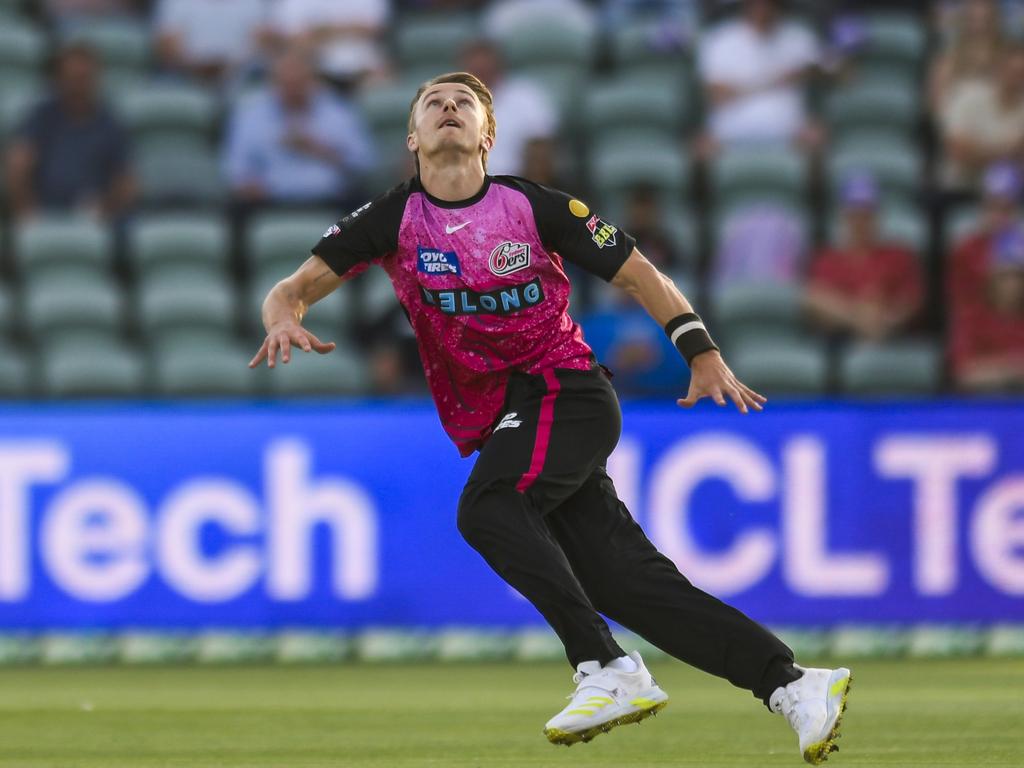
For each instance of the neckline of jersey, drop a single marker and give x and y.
(456, 203)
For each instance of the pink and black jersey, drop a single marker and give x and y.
(482, 283)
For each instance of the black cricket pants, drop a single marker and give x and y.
(543, 512)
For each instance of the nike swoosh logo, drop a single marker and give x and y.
(449, 229)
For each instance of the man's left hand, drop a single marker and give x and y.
(711, 377)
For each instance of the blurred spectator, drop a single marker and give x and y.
(523, 110)
(205, 39)
(753, 69)
(296, 141)
(503, 15)
(863, 287)
(984, 123)
(637, 351)
(969, 263)
(971, 55)
(763, 241)
(65, 13)
(677, 20)
(643, 220)
(347, 35)
(987, 340)
(71, 152)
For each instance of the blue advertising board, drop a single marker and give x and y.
(341, 514)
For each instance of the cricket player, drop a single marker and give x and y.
(477, 263)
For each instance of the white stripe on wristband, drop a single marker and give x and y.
(693, 325)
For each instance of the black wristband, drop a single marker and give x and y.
(688, 333)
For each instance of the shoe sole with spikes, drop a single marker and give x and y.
(568, 738)
(838, 692)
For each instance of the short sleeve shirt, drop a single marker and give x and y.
(483, 284)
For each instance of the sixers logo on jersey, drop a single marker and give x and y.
(509, 257)
(431, 261)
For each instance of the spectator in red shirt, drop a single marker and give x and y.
(987, 340)
(863, 287)
(969, 265)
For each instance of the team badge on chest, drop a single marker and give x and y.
(509, 257)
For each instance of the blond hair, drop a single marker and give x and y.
(476, 85)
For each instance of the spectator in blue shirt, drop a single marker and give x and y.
(296, 142)
(71, 153)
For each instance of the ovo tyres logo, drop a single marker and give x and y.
(509, 257)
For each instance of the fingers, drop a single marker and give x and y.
(322, 347)
(259, 355)
(737, 397)
(271, 351)
(286, 348)
(717, 396)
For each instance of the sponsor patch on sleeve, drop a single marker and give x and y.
(432, 261)
(601, 232)
(332, 230)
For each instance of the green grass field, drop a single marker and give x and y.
(937, 713)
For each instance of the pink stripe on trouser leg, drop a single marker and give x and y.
(544, 422)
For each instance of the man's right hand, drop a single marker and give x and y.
(281, 337)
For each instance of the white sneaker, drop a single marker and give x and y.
(605, 697)
(814, 706)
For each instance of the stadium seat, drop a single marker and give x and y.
(6, 309)
(55, 241)
(19, 93)
(174, 109)
(285, 237)
(343, 371)
(895, 37)
(959, 223)
(548, 38)
(780, 367)
(216, 365)
(186, 299)
(15, 373)
(872, 105)
(73, 302)
(899, 169)
(168, 240)
(386, 107)
(896, 368)
(652, 160)
(335, 309)
(121, 43)
(432, 42)
(628, 103)
(776, 173)
(760, 307)
(97, 365)
(376, 294)
(22, 45)
(176, 172)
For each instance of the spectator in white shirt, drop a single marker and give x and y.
(297, 142)
(753, 70)
(524, 111)
(346, 34)
(209, 38)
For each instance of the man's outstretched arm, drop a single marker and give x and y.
(286, 305)
(657, 294)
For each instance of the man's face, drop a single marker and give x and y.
(293, 77)
(860, 225)
(449, 117)
(1000, 212)
(1012, 73)
(761, 13)
(76, 76)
